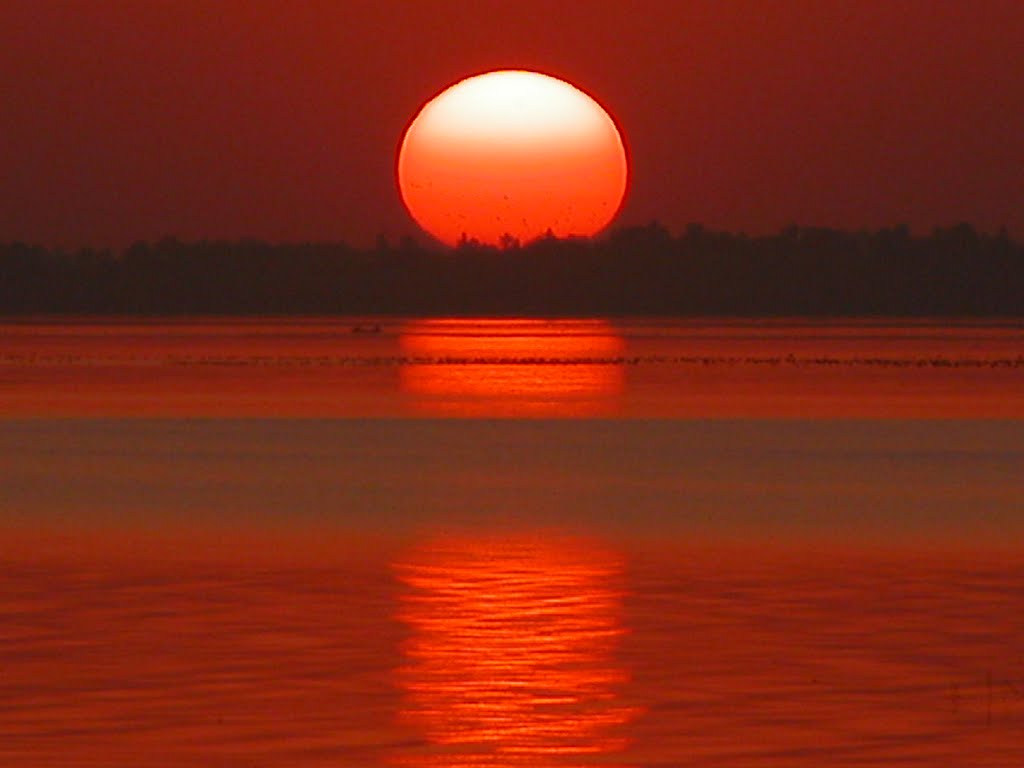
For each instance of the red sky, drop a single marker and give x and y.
(124, 120)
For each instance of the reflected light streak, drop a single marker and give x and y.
(513, 368)
(511, 656)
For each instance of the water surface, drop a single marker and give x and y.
(635, 544)
(512, 368)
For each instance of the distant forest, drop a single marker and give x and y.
(645, 270)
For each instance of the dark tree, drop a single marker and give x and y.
(813, 271)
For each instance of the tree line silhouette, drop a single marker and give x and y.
(645, 270)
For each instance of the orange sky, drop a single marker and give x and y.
(126, 120)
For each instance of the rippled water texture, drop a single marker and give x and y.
(638, 544)
(518, 368)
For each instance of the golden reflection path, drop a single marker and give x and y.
(511, 657)
(477, 367)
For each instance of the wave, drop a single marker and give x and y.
(400, 361)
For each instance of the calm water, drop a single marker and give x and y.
(466, 543)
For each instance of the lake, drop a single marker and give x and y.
(408, 542)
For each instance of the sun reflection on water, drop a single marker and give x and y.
(511, 657)
(512, 367)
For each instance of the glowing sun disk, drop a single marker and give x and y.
(512, 152)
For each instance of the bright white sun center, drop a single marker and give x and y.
(512, 153)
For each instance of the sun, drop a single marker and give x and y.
(512, 153)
